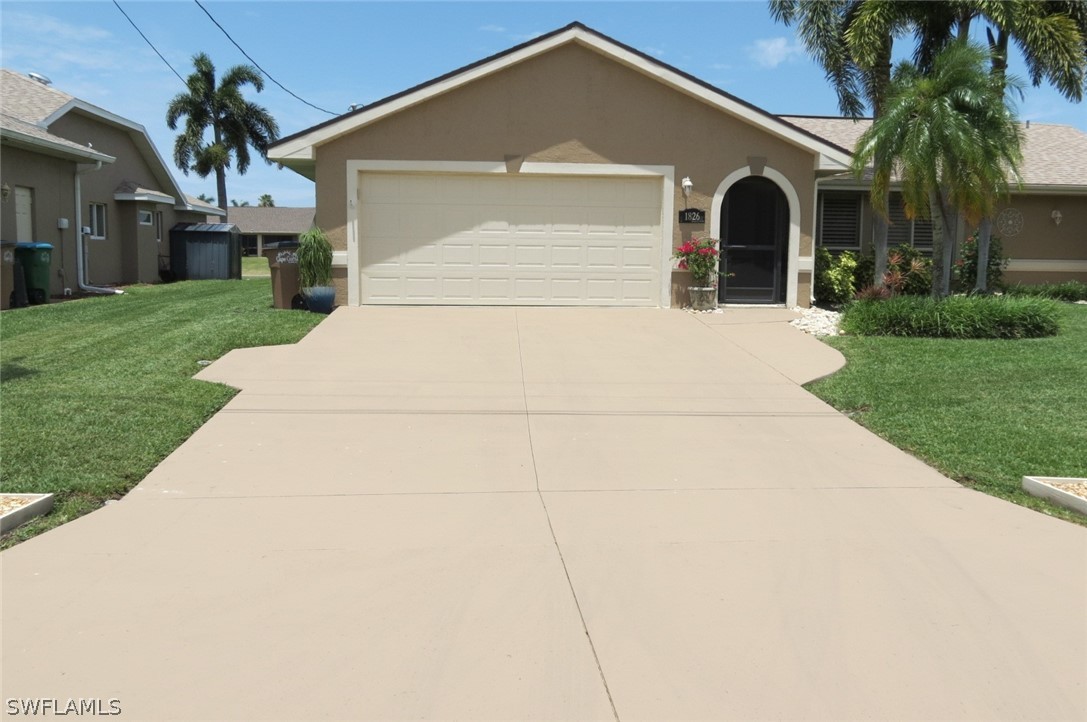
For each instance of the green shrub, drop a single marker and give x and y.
(907, 267)
(966, 268)
(834, 277)
(314, 259)
(952, 317)
(1066, 291)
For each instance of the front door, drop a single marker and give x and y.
(754, 242)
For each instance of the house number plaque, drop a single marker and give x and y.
(692, 215)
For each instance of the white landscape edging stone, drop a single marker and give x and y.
(40, 504)
(1042, 487)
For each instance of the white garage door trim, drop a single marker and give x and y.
(355, 167)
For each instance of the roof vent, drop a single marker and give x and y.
(40, 78)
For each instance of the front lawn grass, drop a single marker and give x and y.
(983, 412)
(255, 267)
(95, 393)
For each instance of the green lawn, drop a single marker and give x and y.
(985, 413)
(255, 267)
(94, 393)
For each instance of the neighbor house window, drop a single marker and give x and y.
(903, 231)
(158, 225)
(97, 220)
(145, 218)
(840, 221)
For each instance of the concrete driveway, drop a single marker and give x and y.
(548, 514)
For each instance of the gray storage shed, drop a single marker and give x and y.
(202, 251)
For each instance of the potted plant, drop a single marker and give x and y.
(315, 270)
(700, 256)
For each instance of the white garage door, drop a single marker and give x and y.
(509, 240)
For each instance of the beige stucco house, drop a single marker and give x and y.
(553, 174)
(66, 165)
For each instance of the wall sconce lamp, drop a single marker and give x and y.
(687, 187)
(1056, 216)
(5, 191)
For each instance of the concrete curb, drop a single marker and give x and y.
(42, 504)
(1041, 487)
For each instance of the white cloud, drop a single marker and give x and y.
(46, 26)
(524, 37)
(720, 66)
(493, 29)
(772, 52)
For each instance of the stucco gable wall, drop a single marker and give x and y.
(570, 105)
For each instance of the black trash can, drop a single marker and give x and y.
(36, 260)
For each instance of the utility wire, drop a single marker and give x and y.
(149, 42)
(254, 62)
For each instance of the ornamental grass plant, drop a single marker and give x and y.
(996, 317)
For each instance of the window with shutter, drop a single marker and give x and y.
(839, 221)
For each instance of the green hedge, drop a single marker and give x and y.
(1067, 291)
(953, 317)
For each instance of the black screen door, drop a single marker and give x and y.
(754, 241)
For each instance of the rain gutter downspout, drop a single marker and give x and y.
(80, 252)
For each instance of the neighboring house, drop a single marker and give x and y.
(69, 164)
(261, 226)
(552, 174)
(1042, 223)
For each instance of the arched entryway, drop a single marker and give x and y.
(754, 233)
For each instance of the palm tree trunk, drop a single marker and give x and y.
(220, 172)
(882, 71)
(985, 232)
(943, 242)
(998, 52)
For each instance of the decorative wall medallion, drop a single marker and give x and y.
(1009, 222)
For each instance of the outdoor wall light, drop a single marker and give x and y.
(687, 187)
(1056, 216)
(5, 191)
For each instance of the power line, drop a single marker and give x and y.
(254, 62)
(149, 42)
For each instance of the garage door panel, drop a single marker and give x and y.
(495, 239)
(495, 256)
(456, 255)
(567, 257)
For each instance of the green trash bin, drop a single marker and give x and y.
(36, 259)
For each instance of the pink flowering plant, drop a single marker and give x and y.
(699, 256)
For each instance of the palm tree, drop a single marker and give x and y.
(951, 137)
(235, 123)
(825, 27)
(1052, 37)
(265, 201)
(234, 202)
(205, 198)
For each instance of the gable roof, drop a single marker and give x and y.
(1054, 156)
(297, 151)
(29, 108)
(274, 219)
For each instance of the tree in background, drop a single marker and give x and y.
(235, 123)
(265, 201)
(951, 137)
(205, 198)
(234, 202)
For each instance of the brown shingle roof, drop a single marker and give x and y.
(275, 219)
(1052, 154)
(28, 100)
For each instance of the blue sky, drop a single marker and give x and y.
(334, 54)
